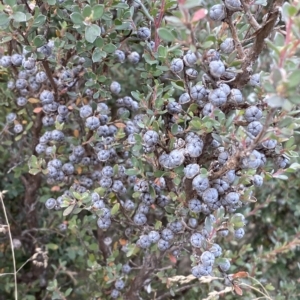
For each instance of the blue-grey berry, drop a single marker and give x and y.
(143, 33)
(233, 5)
(22, 101)
(176, 226)
(114, 293)
(225, 88)
(163, 245)
(154, 236)
(126, 268)
(139, 219)
(151, 138)
(210, 196)
(239, 233)
(174, 108)
(254, 128)
(120, 56)
(50, 203)
(216, 250)
(197, 240)
(227, 46)
(133, 57)
(200, 270)
(200, 183)
(252, 113)
(162, 200)
(18, 128)
(191, 73)
(176, 65)
(281, 162)
(252, 161)
(224, 265)
(167, 234)
(269, 144)
(207, 109)
(216, 68)
(129, 205)
(217, 97)
(207, 258)
(46, 97)
(104, 223)
(184, 98)
(5, 61)
(115, 87)
(217, 12)
(236, 96)
(231, 198)
(57, 135)
(254, 80)
(198, 92)
(190, 59)
(191, 170)
(119, 284)
(144, 242)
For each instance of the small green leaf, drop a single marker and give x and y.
(39, 40)
(98, 55)
(98, 11)
(109, 48)
(162, 51)
(51, 2)
(92, 32)
(166, 35)
(52, 246)
(87, 11)
(77, 18)
(68, 292)
(19, 16)
(34, 171)
(68, 210)
(294, 79)
(158, 225)
(131, 172)
(39, 20)
(115, 209)
(3, 19)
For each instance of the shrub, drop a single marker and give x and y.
(146, 129)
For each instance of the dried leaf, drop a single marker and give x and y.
(37, 110)
(55, 188)
(123, 242)
(241, 274)
(76, 133)
(199, 14)
(120, 125)
(238, 290)
(33, 100)
(173, 259)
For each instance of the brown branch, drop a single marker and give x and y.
(234, 35)
(181, 289)
(249, 16)
(157, 25)
(102, 246)
(49, 75)
(258, 45)
(138, 282)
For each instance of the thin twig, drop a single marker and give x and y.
(49, 75)
(235, 37)
(11, 245)
(249, 16)
(181, 289)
